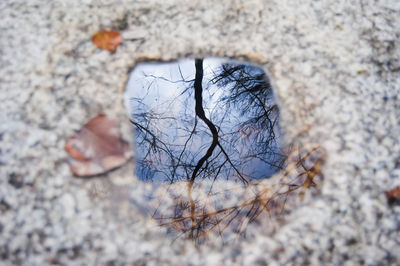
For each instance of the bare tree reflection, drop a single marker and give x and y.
(250, 92)
(232, 134)
(225, 127)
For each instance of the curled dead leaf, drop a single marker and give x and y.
(393, 196)
(107, 40)
(97, 148)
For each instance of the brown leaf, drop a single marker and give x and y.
(393, 196)
(97, 148)
(107, 40)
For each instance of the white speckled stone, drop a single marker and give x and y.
(335, 69)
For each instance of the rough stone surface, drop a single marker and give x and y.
(335, 66)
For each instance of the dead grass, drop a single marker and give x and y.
(197, 217)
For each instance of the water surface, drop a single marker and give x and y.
(203, 118)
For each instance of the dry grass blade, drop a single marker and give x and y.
(196, 218)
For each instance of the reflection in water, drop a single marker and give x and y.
(208, 118)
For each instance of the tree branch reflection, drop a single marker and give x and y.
(217, 125)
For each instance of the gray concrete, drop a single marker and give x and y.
(335, 68)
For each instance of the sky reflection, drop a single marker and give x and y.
(172, 140)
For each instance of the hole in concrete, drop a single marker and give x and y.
(201, 119)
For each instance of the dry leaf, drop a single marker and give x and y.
(107, 40)
(97, 147)
(393, 196)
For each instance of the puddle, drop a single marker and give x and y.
(204, 121)
(206, 118)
